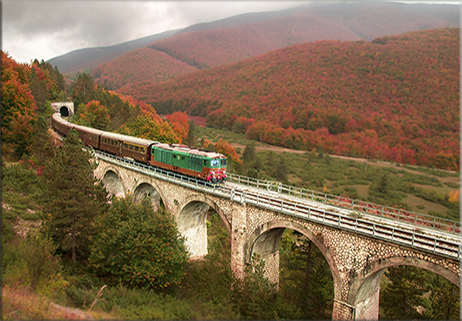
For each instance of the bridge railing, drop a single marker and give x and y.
(448, 247)
(413, 218)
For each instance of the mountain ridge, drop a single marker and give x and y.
(411, 17)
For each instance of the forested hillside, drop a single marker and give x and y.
(142, 64)
(240, 37)
(394, 98)
(88, 58)
(211, 48)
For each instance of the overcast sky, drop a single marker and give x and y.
(46, 29)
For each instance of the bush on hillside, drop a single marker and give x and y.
(138, 247)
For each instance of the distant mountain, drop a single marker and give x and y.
(232, 39)
(140, 65)
(88, 58)
(340, 20)
(394, 98)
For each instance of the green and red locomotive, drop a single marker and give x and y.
(203, 164)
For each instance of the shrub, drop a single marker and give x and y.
(138, 247)
(38, 253)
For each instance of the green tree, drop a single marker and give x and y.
(96, 116)
(400, 298)
(148, 128)
(82, 90)
(382, 186)
(138, 247)
(249, 155)
(38, 252)
(190, 139)
(443, 301)
(281, 169)
(254, 295)
(41, 142)
(73, 198)
(305, 278)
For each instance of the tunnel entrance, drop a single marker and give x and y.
(64, 111)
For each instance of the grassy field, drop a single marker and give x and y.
(417, 189)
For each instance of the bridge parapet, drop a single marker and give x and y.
(277, 189)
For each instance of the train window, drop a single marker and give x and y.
(125, 146)
(223, 162)
(130, 147)
(137, 149)
(182, 157)
(214, 162)
(205, 162)
(142, 150)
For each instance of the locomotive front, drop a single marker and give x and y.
(217, 172)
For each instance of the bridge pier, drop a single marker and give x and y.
(238, 240)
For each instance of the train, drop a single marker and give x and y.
(203, 164)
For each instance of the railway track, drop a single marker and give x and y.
(427, 239)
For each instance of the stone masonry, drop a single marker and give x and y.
(65, 108)
(357, 262)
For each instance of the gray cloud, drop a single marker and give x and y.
(45, 29)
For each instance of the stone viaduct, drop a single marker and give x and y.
(357, 262)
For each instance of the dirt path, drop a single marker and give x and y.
(279, 150)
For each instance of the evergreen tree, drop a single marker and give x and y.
(444, 300)
(382, 186)
(73, 197)
(400, 298)
(281, 170)
(190, 140)
(41, 142)
(82, 90)
(248, 156)
(270, 163)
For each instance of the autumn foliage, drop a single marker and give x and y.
(18, 108)
(180, 124)
(395, 98)
(139, 65)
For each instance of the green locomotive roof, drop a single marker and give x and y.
(180, 149)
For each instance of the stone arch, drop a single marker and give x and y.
(147, 187)
(271, 232)
(64, 111)
(365, 289)
(113, 183)
(191, 220)
(64, 108)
